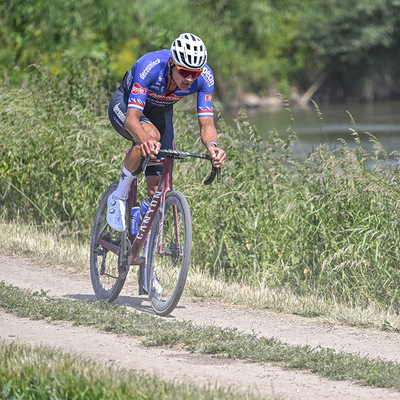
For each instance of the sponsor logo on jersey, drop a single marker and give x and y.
(171, 97)
(137, 89)
(208, 97)
(184, 92)
(208, 77)
(146, 71)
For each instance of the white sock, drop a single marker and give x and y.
(124, 184)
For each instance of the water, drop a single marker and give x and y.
(381, 120)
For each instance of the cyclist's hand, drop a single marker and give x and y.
(150, 148)
(217, 155)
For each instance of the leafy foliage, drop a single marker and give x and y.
(254, 46)
(355, 46)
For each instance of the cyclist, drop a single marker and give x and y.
(141, 110)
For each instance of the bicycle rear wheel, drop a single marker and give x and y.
(169, 253)
(107, 280)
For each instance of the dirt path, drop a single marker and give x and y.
(181, 366)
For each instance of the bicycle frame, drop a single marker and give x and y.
(165, 186)
(137, 241)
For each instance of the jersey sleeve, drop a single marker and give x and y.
(204, 95)
(137, 97)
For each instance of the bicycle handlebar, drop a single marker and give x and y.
(183, 154)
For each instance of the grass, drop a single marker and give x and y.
(210, 340)
(69, 253)
(29, 373)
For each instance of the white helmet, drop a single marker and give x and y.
(188, 51)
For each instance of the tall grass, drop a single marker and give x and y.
(327, 224)
(324, 224)
(57, 149)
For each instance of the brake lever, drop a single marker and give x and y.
(145, 162)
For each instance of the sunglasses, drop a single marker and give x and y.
(187, 72)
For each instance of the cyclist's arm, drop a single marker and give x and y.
(206, 117)
(209, 137)
(145, 71)
(145, 138)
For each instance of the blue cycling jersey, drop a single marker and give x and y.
(146, 85)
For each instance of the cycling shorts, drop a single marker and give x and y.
(162, 121)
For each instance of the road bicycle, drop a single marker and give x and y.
(165, 235)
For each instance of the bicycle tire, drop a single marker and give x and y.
(106, 281)
(168, 265)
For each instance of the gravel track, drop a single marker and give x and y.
(180, 366)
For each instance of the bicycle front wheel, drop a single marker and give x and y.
(169, 253)
(104, 271)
